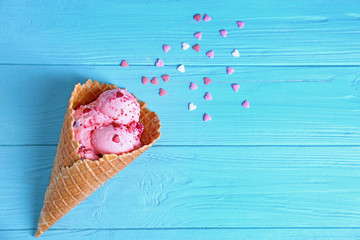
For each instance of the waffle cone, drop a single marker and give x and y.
(72, 178)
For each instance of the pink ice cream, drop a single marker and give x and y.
(110, 124)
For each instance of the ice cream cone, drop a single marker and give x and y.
(73, 179)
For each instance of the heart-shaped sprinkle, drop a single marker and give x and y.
(185, 46)
(86, 110)
(193, 86)
(159, 63)
(181, 68)
(208, 96)
(235, 53)
(206, 117)
(145, 80)
(245, 104)
(166, 48)
(230, 70)
(210, 54)
(207, 80)
(206, 18)
(155, 81)
(198, 35)
(116, 138)
(124, 63)
(119, 94)
(240, 24)
(162, 92)
(165, 78)
(192, 106)
(223, 33)
(235, 87)
(196, 47)
(197, 17)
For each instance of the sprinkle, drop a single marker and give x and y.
(198, 35)
(193, 86)
(206, 18)
(196, 47)
(192, 106)
(116, 138)
(206, 117)
(235, 87)
(145, 80)
(162, 92)
(166, 48)
(223, 32)
(185, 46)
(230, 70)
(245, 104)
(159, 63)
(119, 94)
(154, 81)
(235, 53)
(210, 54)
(124, 63)
(207, 80)
(240, 24)
(208, 96)
(181, 68)
(197, 17)
(165, 78)
(86, 110)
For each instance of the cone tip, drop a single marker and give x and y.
(38, 233)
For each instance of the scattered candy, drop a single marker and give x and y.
(193, 86)
(196, 47)
(223, 33)
(210, 54)
(198, 35)
(155, 81)
(206, 117)
(165, 78)
(124, 63)
(208, 96)
(185, 46)
(240, 24)
(235, 87)
(206, 18)
(166, 48)
(162, 92)
(245, 104)
(159, 63)
(235, 53)
(207, 80)
(181, 68)
(192, 106)
(145, 80)
(116, 138)
(197, 17)
(230, 70)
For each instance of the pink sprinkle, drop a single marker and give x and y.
(155, 81)
(198, 35)
(197, 17)
(235, 87)
(193, 86)
(246, 104)
(223, 33)
(116, 138)
(207, 80)
(162, 92)
(230, 70)
(210, 54)
(159, 63)
(240, 24)
(166, 48)
(206, 18)
(165, 78)
(206, 117)
(196, 47)
(145, 80)
(208, 96)
(124, 63)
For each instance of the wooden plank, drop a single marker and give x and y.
(277, 32)
(197, 187)
(288, 105)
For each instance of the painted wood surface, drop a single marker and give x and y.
(287, 168)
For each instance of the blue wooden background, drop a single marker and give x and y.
(287, 168)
